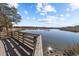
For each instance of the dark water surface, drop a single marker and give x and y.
(56, 39)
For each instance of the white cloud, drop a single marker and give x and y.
(68, 9)
(74, 6)
(44, 8)
(61, 15)
(49, 20)
(43, 13)
(27, 18)
(52, 21)
(13, 4)
(26, 12)
(62, 19)
(68, 15)
(34, 18)
(39, 6)
(30, 19)
(49, 8)
(18, 12)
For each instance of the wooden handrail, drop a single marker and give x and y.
(23, 36)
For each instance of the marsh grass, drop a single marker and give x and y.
(72, 51)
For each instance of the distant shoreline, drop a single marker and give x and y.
(70, 29)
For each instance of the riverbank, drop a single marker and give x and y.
(70, 51)
(71, 30)
(53, 52)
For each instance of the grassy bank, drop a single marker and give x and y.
(72, 51)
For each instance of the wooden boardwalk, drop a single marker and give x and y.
(2, 49)
(14, 47)
(21, 44)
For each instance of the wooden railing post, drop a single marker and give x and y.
(11, 33)
(23, 37)
(0, 35)
(35, 40)
(18, 35)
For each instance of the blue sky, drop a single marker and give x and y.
(48, 14)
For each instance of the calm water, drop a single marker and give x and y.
(57, 39)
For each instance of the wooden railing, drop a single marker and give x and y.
(33, 41)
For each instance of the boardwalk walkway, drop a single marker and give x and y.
(13, 47)
(2, 49)
(21, 44)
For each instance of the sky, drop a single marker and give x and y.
(48, 14)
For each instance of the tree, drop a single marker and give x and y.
(8, 15)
